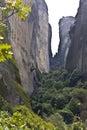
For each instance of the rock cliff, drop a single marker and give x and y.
(65, 24)
(77, 56)
(29, 41)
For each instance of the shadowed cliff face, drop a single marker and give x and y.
(77, 56)
(29, 41)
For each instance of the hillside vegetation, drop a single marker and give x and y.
(61, 98)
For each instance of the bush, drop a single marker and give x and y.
(75, 77)
(4, 105)
(78, 126)
(49, 83)
(59, 102)
(75, 106)
(57, 120)
(58, 85)
(79, 93)
(47, 108)
(67, 115)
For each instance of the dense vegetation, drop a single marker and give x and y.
(61, 97)
(23, 119)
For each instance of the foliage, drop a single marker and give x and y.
(78, 126)
(59, 85)
(75, 106)
(67, 115)
(8, 9)
(4, 105)
(56, 91)
(5, 52)
(57, 120)
(75, 77)
(23, 119)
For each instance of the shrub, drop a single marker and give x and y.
(75, 76)
(49, 83)
(67, 115)
(4, 105)
(75, 106)
(78, 126)
(47, 108)
(59, 102)
(58, 85)
(57, 120)
(79, 93)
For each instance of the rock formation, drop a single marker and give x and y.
(65, 25)
(29, 41)
(77, 56)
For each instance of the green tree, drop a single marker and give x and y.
(7, 9)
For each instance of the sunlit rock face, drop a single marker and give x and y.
(77, 56)
(65, 24)
(29, 39)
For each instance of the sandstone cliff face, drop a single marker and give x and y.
(65, 25)
(77, 56)
(29, 41)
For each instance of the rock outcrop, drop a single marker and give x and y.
(77, 56)
(65, 24)
(29, 41)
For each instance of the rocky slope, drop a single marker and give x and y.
(29, 41)
(77, 56)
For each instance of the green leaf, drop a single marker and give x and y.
(5, 52)
(24, 11)
(18, 2)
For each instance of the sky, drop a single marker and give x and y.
(57, 9)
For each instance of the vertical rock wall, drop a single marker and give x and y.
(59, 60)
(77, 56)
(29, 39)
(65, 24)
